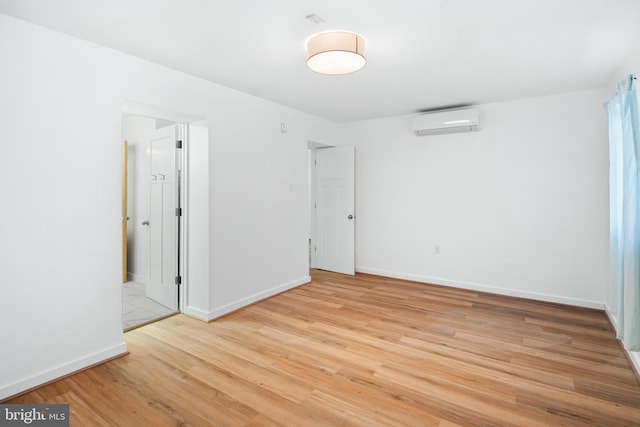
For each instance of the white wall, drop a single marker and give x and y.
(61, 108)
(264, 186)
(519, 208)
(197, 213)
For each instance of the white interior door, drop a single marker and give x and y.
(162, 218)
(335, 205)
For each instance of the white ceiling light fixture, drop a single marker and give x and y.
(336, 52)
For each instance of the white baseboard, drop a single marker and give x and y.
(612, 318)
(197, 313)
(634, 356)
(483, 288)
(228, 308)
(61, 371)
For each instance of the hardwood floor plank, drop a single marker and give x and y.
(255, 396)
(474, 407)
(364, 351)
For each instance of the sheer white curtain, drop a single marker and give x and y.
(624, 157)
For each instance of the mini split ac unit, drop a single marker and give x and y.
(452, 121)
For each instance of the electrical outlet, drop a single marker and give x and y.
(436, 250)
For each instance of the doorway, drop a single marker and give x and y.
(152, 218)
(332, 208)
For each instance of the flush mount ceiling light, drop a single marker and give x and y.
(336, 52)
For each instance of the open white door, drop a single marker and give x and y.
(162, 218)
(335, 205)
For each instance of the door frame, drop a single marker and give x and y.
(312, 147)
(182, 133)
(125, 201)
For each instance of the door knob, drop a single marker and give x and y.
(145, 222)
(350, 217)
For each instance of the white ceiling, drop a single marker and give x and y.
(422, 54)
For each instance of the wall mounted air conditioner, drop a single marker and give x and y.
(452, 121)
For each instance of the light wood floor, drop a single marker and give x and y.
(364, 351)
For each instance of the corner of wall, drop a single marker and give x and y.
(633, 356)
(236, 305)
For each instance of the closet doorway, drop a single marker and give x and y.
(152, 220)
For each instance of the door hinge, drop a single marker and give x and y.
(178, 211)
(178, 280)
(179, 143)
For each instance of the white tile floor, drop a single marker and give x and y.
(137, 308)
